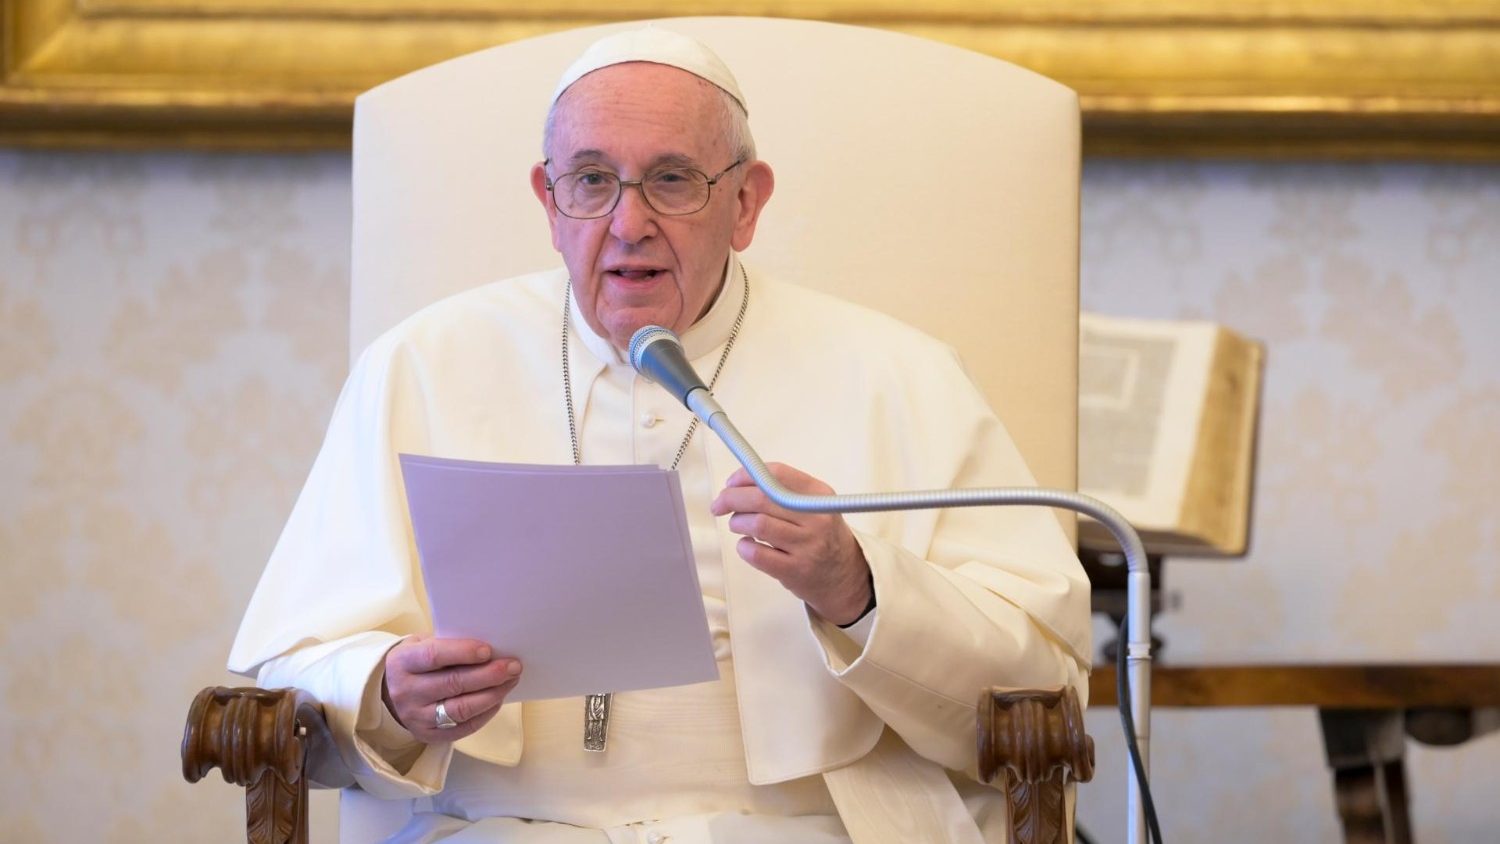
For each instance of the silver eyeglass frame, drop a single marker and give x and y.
(639, 184)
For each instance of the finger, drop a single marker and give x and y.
(773, 561)
(740, 483)
(472, 711)
(789, 476)
(464, 708)
(750, 499)
(429, 688)
(414, 697)
(739, 478)
(738, 499)
(475, 724)
(797, 480)
(422, 654)
(768, 529)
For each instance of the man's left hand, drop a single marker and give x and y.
(814, 555)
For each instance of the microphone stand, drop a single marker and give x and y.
(1134, 676)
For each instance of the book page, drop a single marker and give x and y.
(1140, 398)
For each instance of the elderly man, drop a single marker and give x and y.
(850, 652)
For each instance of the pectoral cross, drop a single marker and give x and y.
(596, 721)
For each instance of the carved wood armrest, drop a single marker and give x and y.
(1036, 740)
(258, 738)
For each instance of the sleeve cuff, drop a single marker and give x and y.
(859, 631)
(844, 646)
(379, 730)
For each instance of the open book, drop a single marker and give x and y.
(1166, 431)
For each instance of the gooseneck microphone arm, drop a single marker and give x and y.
(657, 354)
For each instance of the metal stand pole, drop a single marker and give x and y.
(1138, 584)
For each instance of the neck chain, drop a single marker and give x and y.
(567, 375)
(596, 706)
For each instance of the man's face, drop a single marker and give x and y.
(634, 266)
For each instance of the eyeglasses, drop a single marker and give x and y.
(591, 193)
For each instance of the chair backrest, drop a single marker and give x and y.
(963, 220)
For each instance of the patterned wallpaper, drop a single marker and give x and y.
(1376, 289)
(172, 333)
(172, 337)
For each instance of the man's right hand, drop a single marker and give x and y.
(462, 674)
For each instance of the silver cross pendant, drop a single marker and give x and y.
(596, 721)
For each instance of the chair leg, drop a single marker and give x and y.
(1369, 777)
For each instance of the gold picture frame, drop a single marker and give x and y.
(1256, 78)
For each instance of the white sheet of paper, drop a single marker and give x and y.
(584, 573)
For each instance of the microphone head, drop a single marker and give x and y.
(658, 356)
(645, 336)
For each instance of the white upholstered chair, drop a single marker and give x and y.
(968, 226)
(965, 223)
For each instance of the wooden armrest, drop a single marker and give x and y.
(1036, 740)
(258, 738)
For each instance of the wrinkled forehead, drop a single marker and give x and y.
(637, 109)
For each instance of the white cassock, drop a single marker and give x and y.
(967, 598)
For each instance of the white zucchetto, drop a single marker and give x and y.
(658, 46)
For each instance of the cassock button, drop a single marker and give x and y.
(649, 420)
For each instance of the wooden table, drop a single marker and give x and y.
(1366, 712)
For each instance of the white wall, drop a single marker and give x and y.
(172, 333)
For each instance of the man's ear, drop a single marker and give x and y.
(544, 196)
(755, 191)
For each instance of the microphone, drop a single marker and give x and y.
(656, 353)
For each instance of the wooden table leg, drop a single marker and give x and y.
(1365, 749)
(1364, 709)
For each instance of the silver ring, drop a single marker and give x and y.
(444, 720)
